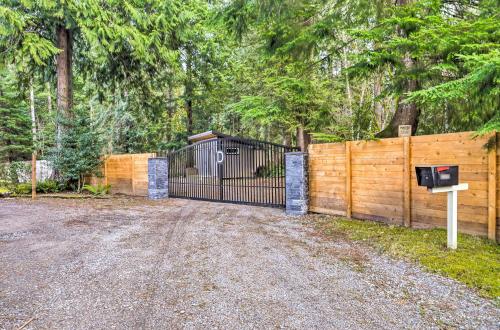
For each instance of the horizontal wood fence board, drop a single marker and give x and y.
(333, 190)
(325, 172)
(425, 199)
(374, 192)
(370, 216)
(465, 144)
(376, 151)
(393, 209)
(378, 161)
(376, 188)
(380, 199)
(449, 159)
(330, 211)
(378, 182)
(327, 192)
(379, 168)
(331, 203)
(378, 155)
(466, 214)
(381, 142)
(328, 185)
(446, 137)
(464, 227)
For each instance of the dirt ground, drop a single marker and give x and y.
(133, 263)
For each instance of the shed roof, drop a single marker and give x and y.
(206, 136)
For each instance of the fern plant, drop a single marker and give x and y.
(97, 190)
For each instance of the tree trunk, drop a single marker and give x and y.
(170, 113)
(377, 105)
(64, 79)
(33, 114)
(189, 114)
(188, 103)
(303, 139)
(287, 139)
(406, 113)
(188, 92)
(49, 97)
(348, 93)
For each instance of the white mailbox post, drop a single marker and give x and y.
(452, 225)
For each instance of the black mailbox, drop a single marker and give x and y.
(437, 175)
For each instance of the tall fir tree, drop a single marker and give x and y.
(15, 124)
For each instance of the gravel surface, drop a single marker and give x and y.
(133, 263)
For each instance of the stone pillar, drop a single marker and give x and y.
(158, 178)
(297, 192)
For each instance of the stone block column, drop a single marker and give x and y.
(296, 178)
(158, 178)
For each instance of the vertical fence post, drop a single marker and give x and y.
(492, 187)
(348, 179)
(106, 170)
(406, 181)
(132, 165)
(33, 175)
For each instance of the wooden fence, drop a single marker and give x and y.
(376, 180)
(127, 174)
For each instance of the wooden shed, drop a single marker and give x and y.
(241, 157)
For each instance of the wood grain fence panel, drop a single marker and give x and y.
(141, 174)
(384, 185)
(469, 154)
(128, 173)
(375, 204)
(327, 178)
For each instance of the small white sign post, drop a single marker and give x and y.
(452, 225)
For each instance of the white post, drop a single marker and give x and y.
(452, 219)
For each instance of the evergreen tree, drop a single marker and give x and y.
(80, 155)
(15, 123)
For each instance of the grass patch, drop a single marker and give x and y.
(475, 263)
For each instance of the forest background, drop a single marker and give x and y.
(80, 79)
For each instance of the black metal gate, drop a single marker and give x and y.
(229, 169)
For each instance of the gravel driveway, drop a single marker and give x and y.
(132, 263)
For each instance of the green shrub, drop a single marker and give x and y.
(22, 188)
(63, 185)
(98, 190)
(47, 186)
(16, 171)
(4, 172)
(4, 191)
